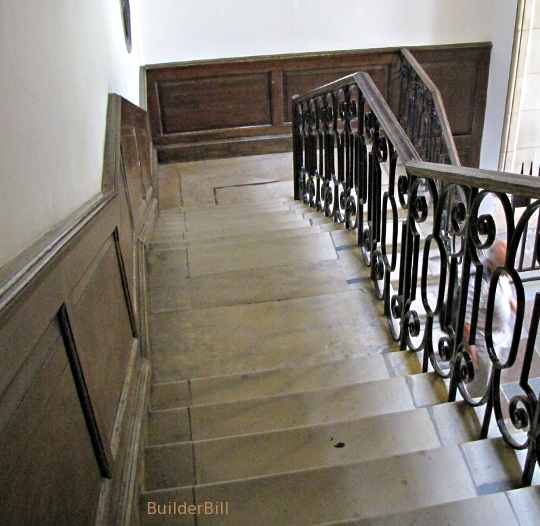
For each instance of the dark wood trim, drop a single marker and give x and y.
(125, 283)
(102, 455)
(217, 119)
(311, 55)
(491, 180)
(52, 300)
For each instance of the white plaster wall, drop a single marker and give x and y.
(59, 60)
(189, 30)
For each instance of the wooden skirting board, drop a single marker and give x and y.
(231, 107)
(73, 343)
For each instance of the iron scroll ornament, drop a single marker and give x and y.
(126, 20)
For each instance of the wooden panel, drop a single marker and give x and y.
(73, 381)
(461, 74)
(102, 328)
(215, 102)
(223, 108)
(48, 468)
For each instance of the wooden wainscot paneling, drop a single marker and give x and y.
(49, 472)
(73, 385)
(104, 329)
(231, 107)
(234, 107)
(461, 74)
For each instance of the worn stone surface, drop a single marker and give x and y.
(168, 466)
(457, 422)
(300, 409)
(318, 446)
(241, 338)
(170, 394)
(526, 503)
(427, 389)
(252, 193)
(494, 510)
(290, 380)
(276, 350)
(362, 490)
(166, 426)
(243, 256)
(169, 187)
(494, 465)
(251, 286)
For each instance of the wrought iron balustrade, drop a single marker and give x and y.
(527, 261)
(422, 113)
(424, 230)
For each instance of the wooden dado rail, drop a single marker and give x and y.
(221, 108)
(74, 378)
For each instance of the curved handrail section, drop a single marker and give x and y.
(423, 114)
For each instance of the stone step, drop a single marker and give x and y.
(177, 242)
(176, 235)
(321, 445)
(271, 235)
(259, 336)
(278, 350)
(238, 287)
(217, 212)
(359, 490)
(260, 384)
(220, 218)
(264, 454)
(494, 510)
(223, 257)
(257, 193)
(272, 413)
(526, 504)
(227, 224)
(363, 489)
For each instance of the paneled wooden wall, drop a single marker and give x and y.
(73, 380)
(234, 107)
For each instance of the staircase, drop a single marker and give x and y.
(278, 396)
(310, 364)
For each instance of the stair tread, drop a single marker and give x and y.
(292, 231)
(298, 378)
(316, 446)
(223, 233)
(258, 336)
(279, 350)
(479, 511)
(410, 481)
(300, 409)
(237, 287)
(222, 257)
(352, 440)
(217, 221)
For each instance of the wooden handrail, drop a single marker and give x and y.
(439, 105)
(491, 180)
